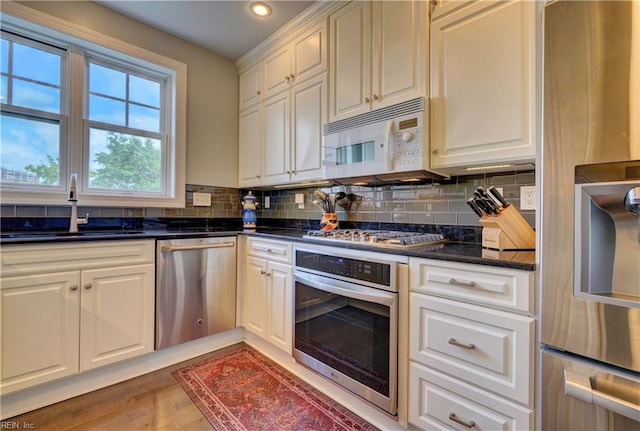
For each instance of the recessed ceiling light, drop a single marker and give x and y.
(260, 9)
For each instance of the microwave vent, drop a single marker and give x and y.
(383, 114)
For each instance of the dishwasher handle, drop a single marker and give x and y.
(172, 248)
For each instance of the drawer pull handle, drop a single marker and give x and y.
(455, 418)
(463, 283)
(456, 343)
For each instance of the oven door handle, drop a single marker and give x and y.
(349, 290)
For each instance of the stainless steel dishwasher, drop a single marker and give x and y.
(196, 288)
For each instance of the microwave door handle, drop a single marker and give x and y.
(375, 296)
(389, 140)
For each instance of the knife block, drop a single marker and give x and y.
(507, 231)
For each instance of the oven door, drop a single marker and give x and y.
(348, 333)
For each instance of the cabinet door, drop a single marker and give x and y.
(440, 8)
(255, 310)
(39, 329)
(118, 314)
(309, 53)
(483, 84)
(308, 114)
(280, 305)
(250, 147)
(277, 158)
(399, 68)
(250, 87)
(277, 72)
(350, 29)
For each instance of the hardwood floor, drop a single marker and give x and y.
(154, 401)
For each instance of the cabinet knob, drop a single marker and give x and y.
(263, 272)
(287, 78)
(367, 100)
(258, 92)
(88, 286)
(292, 76)
(258, 176)
(375, 97)
(434, 3)
(434, 151)
(73, 288)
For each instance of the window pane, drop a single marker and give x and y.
(5, 56)
(36, 64)
(144, 91)
(30, 150)
(107, 81)
(106, 110)
(144, 118)
(3, 89)
(120, 161)
(35, 96)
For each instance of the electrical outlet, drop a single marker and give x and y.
(202, 199)
(527, 198)
(267, 202)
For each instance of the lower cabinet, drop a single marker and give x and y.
(471, 355)
(268, 296)
(56, 324)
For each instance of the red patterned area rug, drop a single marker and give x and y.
(244, 390)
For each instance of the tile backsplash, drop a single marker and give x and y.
(440, 203)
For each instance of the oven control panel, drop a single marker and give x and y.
(372, 272)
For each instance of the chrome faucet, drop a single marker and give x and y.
(73, 198)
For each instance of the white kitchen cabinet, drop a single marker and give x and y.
(268, 300)
(483, 84)
(117, 314)
(293, 133)
(471, 346)
(250, 147)
(250, 83)
(440, 8)
(378, 55)
(301, 59)
(281, 136)
(67, 308)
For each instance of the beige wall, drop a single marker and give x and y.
(212, 87)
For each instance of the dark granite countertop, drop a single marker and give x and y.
(455, 251)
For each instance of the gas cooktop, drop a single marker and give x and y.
(380, 238)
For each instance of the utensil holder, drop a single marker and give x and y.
(329, 221)
(507, 231)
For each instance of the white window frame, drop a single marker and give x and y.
(81, 41)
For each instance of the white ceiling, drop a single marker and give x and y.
(225, 27)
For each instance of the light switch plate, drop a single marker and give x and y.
(202, 199)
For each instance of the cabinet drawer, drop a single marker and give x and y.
(22, 259)
(272, 250)
(488, 348)
(508, 289)
(437, 401)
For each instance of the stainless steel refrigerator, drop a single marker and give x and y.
(590, 229)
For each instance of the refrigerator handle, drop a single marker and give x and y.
(579, 386)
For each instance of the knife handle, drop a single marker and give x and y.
(496, 194)
(474, 207)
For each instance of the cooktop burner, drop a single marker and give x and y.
(382, 238)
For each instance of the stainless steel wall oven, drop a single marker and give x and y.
(346, 319)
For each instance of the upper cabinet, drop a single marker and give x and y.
(483, 81)
(293, 62)
(283, 105)
(378, 55)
